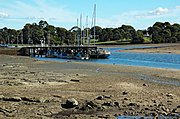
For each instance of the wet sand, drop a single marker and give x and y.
(40, 89)
(160, 48)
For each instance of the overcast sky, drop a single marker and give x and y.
(110, 13)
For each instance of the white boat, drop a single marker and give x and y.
(100, 53)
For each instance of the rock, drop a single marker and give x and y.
(107, 96)
(90, 105)
(13, 99)
(29, 99)
(117, 104)
(71, 103)
(1, 97)
(176, 110)
(75, 80)
(106, 117)
(108, 104)
(125, 98)
(170, 95)
(132, 104)
(125, 93)
(100, 97)
(144, 84)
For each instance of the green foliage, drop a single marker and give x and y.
(36, 33)
(164, 32)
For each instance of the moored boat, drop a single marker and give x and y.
(100, 53)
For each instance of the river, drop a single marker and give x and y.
(157, 60)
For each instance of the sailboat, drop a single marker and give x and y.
(100, 52)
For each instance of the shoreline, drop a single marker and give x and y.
(157, 48)
(101, 90)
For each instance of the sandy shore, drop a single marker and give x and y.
(160, 48)
(40, 89)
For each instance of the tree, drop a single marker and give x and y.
(43, 24)
(138, 38)
(116, 34)
(98, 31)
(27, 33)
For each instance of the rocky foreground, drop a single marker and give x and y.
(42, 89)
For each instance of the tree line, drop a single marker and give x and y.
(43, 32)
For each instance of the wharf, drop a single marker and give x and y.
(42, 50)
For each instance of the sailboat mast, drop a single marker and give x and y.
(81, 28)
(77, 32)
(87, 34)
(94, 23)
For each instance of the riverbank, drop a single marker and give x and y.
(40, 89)
(9, 51)
(158, 48)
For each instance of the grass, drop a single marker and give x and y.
(118, 42)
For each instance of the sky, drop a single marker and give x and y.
(140, 14)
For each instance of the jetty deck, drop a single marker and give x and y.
(42, 50)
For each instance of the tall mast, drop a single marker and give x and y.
(87, 34)
(94, 23)
(81, 28)
(77, 34)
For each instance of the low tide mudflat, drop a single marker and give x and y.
(160, 48)
(40, 89)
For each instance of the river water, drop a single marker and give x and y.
(156, 60)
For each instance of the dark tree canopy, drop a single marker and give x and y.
(36, 33)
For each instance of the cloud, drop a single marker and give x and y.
(158, 11)
(3, 15)
(142, 19)
(178, 7)
(24, 12)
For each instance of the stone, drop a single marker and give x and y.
(100, 97)
(125, 98)
(71, 102)
(75, 80)
(144, 84)
(107, 96)
(29, 99)
(1, 97)
(13, 99)
(108, 104)
(91, 105)
(170, 95)
(125, 93)
(176, 110)
(117, 104)
(132, 104)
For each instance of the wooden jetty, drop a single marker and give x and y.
(40, 51)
